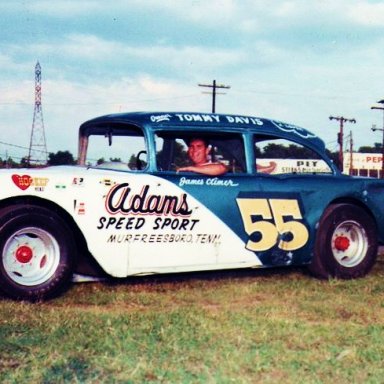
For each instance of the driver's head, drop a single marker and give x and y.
(198, 151)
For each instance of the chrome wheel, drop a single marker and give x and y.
(349, 243)
(346, 243)
(31, 256)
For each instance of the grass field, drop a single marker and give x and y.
(248, 326)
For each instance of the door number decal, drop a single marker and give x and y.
(270, 222)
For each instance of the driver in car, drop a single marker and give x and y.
(198, 151)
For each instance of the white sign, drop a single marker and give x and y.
(281, 166)
(363, 161)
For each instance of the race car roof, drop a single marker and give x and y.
(198, 121)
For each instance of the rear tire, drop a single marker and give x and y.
(36, 250)
(346, 243)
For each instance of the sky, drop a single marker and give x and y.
(296, 61)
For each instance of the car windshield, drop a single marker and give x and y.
(116, 148)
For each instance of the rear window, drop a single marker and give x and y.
(277, 156)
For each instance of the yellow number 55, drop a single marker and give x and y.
(270, 227)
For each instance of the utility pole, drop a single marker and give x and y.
(380, 129)
(214, 86)
(340, 136)
(351, 155)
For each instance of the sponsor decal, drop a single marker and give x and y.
(278, 166)
(160, 118)
(173, 212)
(78, 181)
(160, 223)
(107, 182)
(197, 117)
(150, 238)
(207, 118)
(266, 168)
(244, 120)
(121, 199)
(146, 217)
(212, 181)
(79, 207)
(230, 119)
(25, 181)
(293, 129)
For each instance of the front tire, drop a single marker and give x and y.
(36, 249)
(346, 243)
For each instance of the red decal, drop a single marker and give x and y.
(81, 210)
(266, 168)
(23, 182)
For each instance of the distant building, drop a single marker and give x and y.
(363, 164)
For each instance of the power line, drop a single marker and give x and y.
(135, 101)
(294, 94)
(15, 155)
(13, 145)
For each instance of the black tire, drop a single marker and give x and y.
(346, 243)
(36, 250)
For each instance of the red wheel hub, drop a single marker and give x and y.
(24, 254)
(342, 243)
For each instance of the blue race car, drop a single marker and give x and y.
(173, 192)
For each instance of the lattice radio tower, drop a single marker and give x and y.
(37, 146)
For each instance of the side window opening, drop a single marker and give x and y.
(171, 153)
(278, 156)
(172, 150)
(119, 148)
